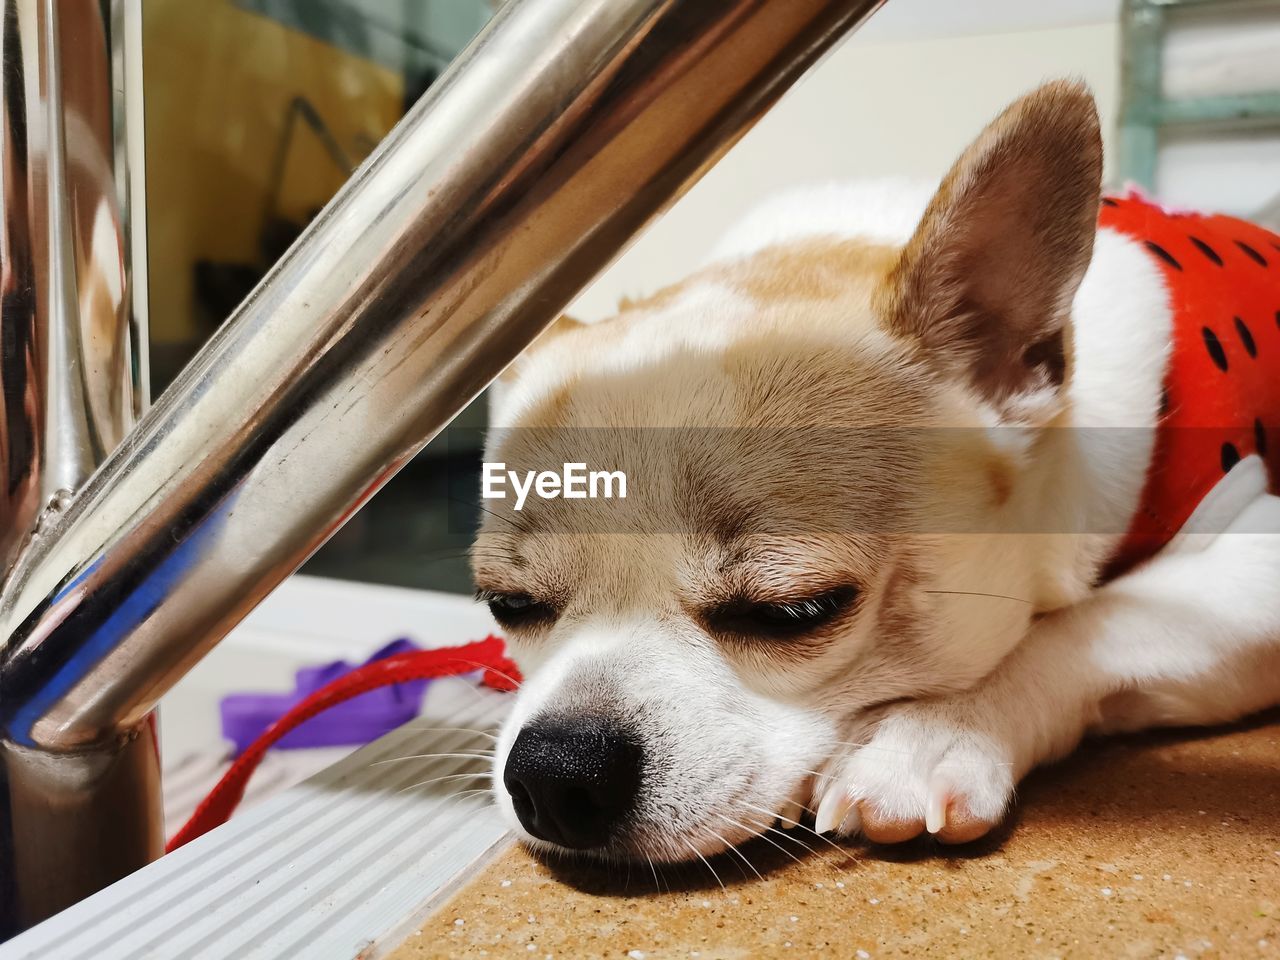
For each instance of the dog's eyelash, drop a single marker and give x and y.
(781, 618)
(514, 609)
(808, 608)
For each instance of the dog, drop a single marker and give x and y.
(900, 525)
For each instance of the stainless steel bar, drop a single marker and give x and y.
(68, 373)
(556, 136)
(129, 141)
(79, 821)
(71, 383)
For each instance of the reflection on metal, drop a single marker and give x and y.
(72, 382)
(415, 40)
(555, 137)
(130, 171)
(80, 821)
(67, 373)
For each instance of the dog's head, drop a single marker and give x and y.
(812, 489)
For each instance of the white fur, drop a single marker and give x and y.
(1191, 637)
(1121, 321)
(720, 311)
(1183, 640)
(878, 211)
(674, 680)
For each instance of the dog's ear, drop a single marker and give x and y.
(985, 285)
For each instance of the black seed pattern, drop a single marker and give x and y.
(1207, 250)
(1214, 346)
(1260, 437)
(1163, 254)
(1108, 202)
(1165, 403)
(1246, 337)
(1230, 457)
(1252, 254)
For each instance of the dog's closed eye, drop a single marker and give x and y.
(780, 619)
(516, 610)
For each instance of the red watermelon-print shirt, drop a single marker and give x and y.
(1222, 388)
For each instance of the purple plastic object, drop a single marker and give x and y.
(355, 722)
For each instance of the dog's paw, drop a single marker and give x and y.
(925, 767)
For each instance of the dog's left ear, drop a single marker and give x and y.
(985, 285)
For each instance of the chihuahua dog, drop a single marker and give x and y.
(923, 487)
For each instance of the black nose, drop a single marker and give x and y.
(573, 781)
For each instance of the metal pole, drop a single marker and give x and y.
(551, 141)
(72, 378)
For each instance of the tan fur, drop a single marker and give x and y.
(798, 456)
(820, 415)
(824, 419)
(818, 430)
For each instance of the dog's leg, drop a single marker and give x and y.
(1192, 637)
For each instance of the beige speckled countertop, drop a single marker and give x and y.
(1155, 846)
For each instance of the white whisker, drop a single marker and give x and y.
(654, 871)
(795, 823)
(705, 861)
(734, 850)
(478, 733)
(768, 840)
(452, 776)
(434, 756)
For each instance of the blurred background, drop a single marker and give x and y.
(258, 110)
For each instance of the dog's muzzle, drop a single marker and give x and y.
(574, 781)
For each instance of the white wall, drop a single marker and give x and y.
(878, 106)
(1212, 52)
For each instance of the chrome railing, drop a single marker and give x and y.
(561, 130)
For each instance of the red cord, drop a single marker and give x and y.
(487, 654)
